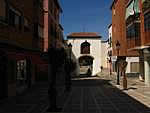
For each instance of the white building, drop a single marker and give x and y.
(87, 48)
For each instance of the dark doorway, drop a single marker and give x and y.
(86, 65)
(3, 76)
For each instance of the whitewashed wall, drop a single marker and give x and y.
(104, 52)
(95, 51)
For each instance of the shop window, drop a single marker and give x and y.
(85, 48)
(21, 72)
(147, 21)
(40, 31)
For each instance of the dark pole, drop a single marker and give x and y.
(118, 47)
(118, 83)
(110, 66)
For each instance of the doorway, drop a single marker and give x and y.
(86, 65)
(3, 76)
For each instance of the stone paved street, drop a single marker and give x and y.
(89, 95)
(32, 101)
(95, 95)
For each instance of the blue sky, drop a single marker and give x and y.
(86, 16)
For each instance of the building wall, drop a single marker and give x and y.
(13, 32)
(104, 54)
(95, 51)
(118, 27)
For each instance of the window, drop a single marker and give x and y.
(41, 3)
(85, 48)
(52, 30)
(40, 31)
(2, 10)
(147, 21)
(15, 18)
(11, 18)
(146, 5)
(133, 31)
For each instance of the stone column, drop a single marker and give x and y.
(141, 65)
(147, 70)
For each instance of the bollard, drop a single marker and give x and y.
(124, 82)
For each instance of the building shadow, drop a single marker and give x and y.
(109, 98)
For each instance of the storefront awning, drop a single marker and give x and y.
(138, 48)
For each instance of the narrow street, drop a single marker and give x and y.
(89, 95)
(95, 95)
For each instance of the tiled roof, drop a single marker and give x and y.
(84, 34)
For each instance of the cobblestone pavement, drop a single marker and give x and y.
(136, 88)
(95, 95)
(33, 101)
(88, 95)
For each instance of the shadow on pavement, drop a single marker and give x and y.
(107, 98)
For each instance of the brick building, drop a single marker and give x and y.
(145, 41)
(134, 17)
(52, 27)
(16, 38)
(25, 32)
(119, 35)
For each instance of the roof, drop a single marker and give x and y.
(84, 35)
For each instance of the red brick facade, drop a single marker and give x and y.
(52, 28)
(118, 27)
(119, 30)
(26, 27)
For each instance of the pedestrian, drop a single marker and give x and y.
(101, 68)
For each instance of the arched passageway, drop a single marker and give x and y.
(86, 65)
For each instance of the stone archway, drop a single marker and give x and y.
(86, 65)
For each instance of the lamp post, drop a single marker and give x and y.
(110, 62)
(118, 48)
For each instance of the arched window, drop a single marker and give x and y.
(85, 48)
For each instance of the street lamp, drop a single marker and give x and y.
(118, 48)
(70, 50)
(110, 62)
